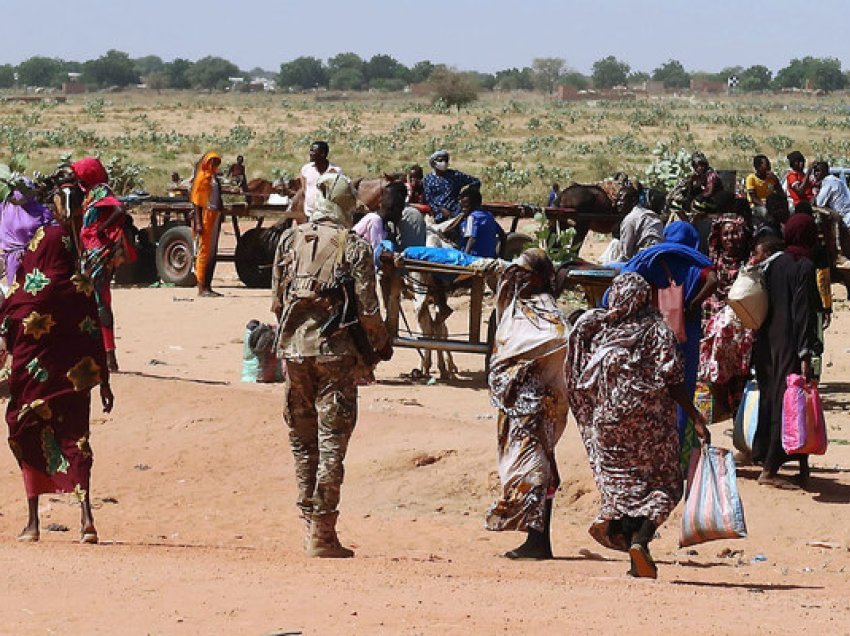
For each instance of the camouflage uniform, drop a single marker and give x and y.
(320, 399)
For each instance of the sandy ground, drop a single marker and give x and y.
(194, 489)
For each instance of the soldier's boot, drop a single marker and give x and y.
(323, 540)
(306, 518)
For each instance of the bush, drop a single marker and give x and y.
(668, 168)
(453, 88)
(125, 176)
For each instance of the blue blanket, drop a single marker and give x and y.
(440, 255)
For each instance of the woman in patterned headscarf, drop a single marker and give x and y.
(527, 386)
(106, 243)
(625, 375)
(724, 355)
(50, 324)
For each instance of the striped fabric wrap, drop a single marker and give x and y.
(713, 508)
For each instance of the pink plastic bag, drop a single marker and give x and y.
(671, 304)
(803, 424)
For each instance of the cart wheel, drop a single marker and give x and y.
(492, 323)
(254, 256)
(516, 244)
(175, 256)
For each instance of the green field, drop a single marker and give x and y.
(518, 143)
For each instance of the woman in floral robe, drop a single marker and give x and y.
(724, 355)
(625, 375)
(527, 386)
(50, 324)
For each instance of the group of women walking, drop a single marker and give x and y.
(628, 373)
(56, 319)
(621, 372)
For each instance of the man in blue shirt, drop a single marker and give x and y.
(482, 234)
(442, 187)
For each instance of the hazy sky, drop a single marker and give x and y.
(483, 35)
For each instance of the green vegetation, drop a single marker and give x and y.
(350, 72)
(517, 143)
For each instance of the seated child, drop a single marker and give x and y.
(482, 234)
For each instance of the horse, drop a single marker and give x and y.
(371, 189)
(257, 191)
(592, 209)
(432, 321)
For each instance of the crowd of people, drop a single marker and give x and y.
(628, 363)
(626, 370)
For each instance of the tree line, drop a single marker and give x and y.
(349, 71)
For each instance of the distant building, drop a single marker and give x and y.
(571, 93)
(73, 88)
(708, 86)
(73, 85)
(654, 87)
(421, 88)
(263, 84)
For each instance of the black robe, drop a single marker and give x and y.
(788, 332)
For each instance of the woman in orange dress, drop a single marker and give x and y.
(205, 195)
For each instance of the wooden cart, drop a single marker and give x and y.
(475, 278)
(169, 230)
(593, 282)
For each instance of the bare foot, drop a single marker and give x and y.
(209, 293)
(775, 481)
(29, 535)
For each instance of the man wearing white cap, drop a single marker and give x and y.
(442, 187)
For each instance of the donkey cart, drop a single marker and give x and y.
(417, 277)
(170, 231)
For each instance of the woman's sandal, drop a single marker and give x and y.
(642, 564)
(88, 536)
(29, 537)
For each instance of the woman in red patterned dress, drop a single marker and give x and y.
(50, 324)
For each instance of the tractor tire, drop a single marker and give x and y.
(254, 257)
(175, 257)
(255, 252)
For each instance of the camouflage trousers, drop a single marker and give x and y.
(320, 408)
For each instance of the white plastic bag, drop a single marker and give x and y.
(748, 297)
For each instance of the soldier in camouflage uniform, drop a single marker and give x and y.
(323, 364)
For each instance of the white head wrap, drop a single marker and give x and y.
(337, 199)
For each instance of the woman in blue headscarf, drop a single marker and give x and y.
(678, 258)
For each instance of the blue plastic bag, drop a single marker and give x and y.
(746, 419)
